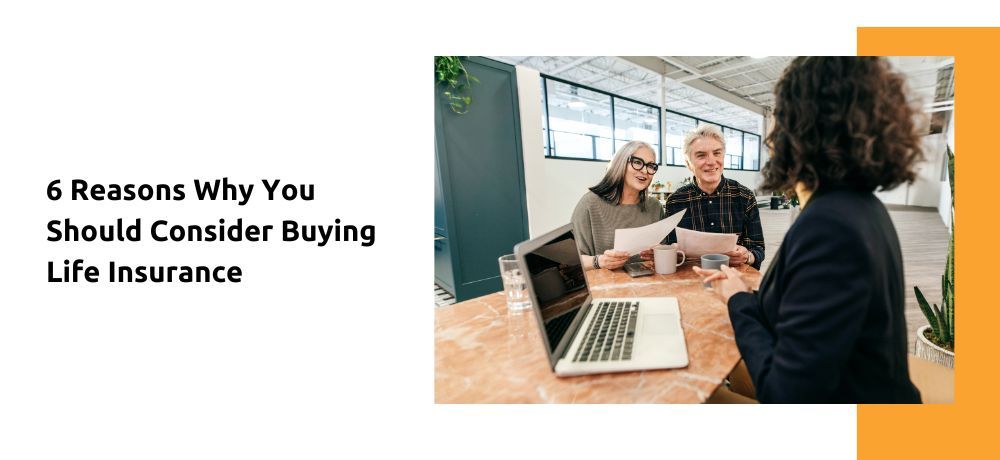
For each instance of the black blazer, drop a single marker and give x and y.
(827, 324)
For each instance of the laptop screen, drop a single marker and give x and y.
(559, 284)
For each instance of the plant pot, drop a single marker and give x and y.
(923, 348)
(775, 202)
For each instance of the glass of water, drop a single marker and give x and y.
(513, 284)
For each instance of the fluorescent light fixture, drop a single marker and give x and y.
(649, 120)
(577, 105)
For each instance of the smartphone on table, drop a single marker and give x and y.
(637, 269)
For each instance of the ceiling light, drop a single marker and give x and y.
(577, 105)
(649, 120)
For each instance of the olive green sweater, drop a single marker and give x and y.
(596, 220)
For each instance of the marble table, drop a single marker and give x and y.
(483, 354)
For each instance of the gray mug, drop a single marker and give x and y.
(713, 262)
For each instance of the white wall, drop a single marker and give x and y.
(926, 189)
(529, 97)
(894, 196)
(951, 132)
(944, 204)
(553, 186)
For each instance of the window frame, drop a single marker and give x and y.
(660, 126)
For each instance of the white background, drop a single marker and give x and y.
(318, 353)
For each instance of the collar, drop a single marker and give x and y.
(723, 182)
(821, 191)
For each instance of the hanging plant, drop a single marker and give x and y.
(452, 74)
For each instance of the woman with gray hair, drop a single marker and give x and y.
(619, 200)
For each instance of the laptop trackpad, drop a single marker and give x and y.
(660, 324)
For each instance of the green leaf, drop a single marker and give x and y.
(951, 317)
(452, 73)
(939, 323)
(945, 330)
(924, 306)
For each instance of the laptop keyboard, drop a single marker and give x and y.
(611, 334)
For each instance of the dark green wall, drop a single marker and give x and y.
(480, 206)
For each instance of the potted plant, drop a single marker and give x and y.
(936, 341)
(657, 186)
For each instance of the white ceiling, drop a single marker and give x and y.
(728, 90)
(746, 78)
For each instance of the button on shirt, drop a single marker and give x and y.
(731, 208)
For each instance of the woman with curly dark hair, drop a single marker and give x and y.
(827, 324)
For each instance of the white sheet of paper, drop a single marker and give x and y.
(635, 240)
(697, 244)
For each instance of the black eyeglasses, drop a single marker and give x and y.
(637, 165)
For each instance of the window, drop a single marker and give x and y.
(751, 151)
(734, 148)
(545, 120)
(589, 124)
(703, 122)
(579, 122)
(677, 126)
(637, 122)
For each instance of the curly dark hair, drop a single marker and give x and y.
(841, 122)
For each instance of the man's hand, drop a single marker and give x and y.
(647, 254)
(612, 259)
(738, 256)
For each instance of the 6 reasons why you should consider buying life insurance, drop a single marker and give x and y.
(63, 230)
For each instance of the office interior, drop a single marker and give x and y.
(539, 130)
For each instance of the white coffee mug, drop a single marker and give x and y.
(665, 258)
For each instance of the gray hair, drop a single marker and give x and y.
(703, 130)
(610, 186)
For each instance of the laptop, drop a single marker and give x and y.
(586, 335)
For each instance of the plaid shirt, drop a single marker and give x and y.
(731, 208)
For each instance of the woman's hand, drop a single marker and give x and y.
(726, 281)
(612, 259)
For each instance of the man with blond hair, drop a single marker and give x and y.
(716, 204)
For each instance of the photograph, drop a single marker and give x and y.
(694, 229)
